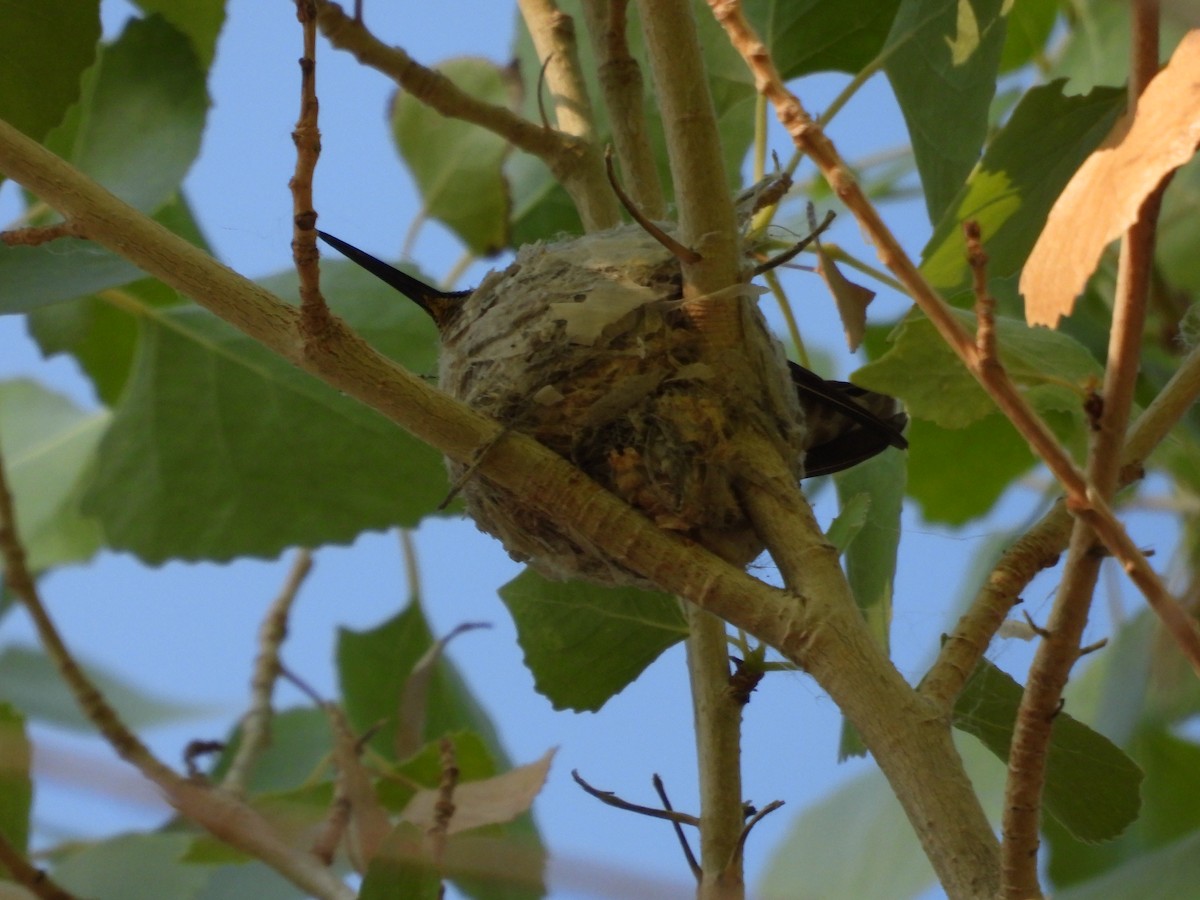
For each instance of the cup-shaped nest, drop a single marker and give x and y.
(585, 345)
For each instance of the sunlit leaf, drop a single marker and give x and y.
(456, 164)
(1105, 195)
(942, 55)
(1024, 168)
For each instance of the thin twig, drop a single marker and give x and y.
(754, 820)
(621, 84)
(443, 809)
(684, 845)
(256, 723)
(576, 163)
(29, 876)
(553, 33)
(225, 817)
(985, 303)
(314, 314)
(676, 249)
(791, 252)
(37, 235)
(610, 799)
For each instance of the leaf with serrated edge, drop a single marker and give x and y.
(1092, 786)
(584, 643)
(1104, 197)
(922, 370)
(940, 55)
(491, 801)
(1024, 167)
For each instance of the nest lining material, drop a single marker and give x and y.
(583, 344)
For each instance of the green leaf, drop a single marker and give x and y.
(1023, 170)
(424, 769)
(456, 164)
(396, 872)
(1172, 873)
(870, 558)
(16, 787)
(821, 36)
(373, 667)
(49, 444)
(98, 330)
(943, 476)
(252, 879)
(943, 55)
(301, 741)
(211, 421)
(1029, 25)
(36, 86)
(585, 643)
(137, 128)
(37, 277)
(810, 862)
(851, 517)
(1095, 49)
(871, 555)
(200, 20)
(923, 371)
(1092, 786)
(32, 684)
(1169, 811)
(103, 871)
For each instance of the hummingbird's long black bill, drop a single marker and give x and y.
(439, 304)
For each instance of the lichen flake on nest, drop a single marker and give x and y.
(584, 345)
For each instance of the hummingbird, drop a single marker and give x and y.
(845, 424)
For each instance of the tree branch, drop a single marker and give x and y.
(256, 723)
(225, 817)
(1084, 502)
(839, 653)
(707, 222)
(1060, 647)
(34, 880)
(575, 162)
(621, 83)
(717, 721)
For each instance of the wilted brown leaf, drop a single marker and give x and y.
(1104, 197)
(487, 802)
(852, 299)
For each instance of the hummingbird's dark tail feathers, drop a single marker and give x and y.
(846, 424)
(440, 305)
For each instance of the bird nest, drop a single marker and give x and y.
(584, 344)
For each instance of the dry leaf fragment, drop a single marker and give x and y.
(852, 299)
(487, 802)
(1103, 198)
